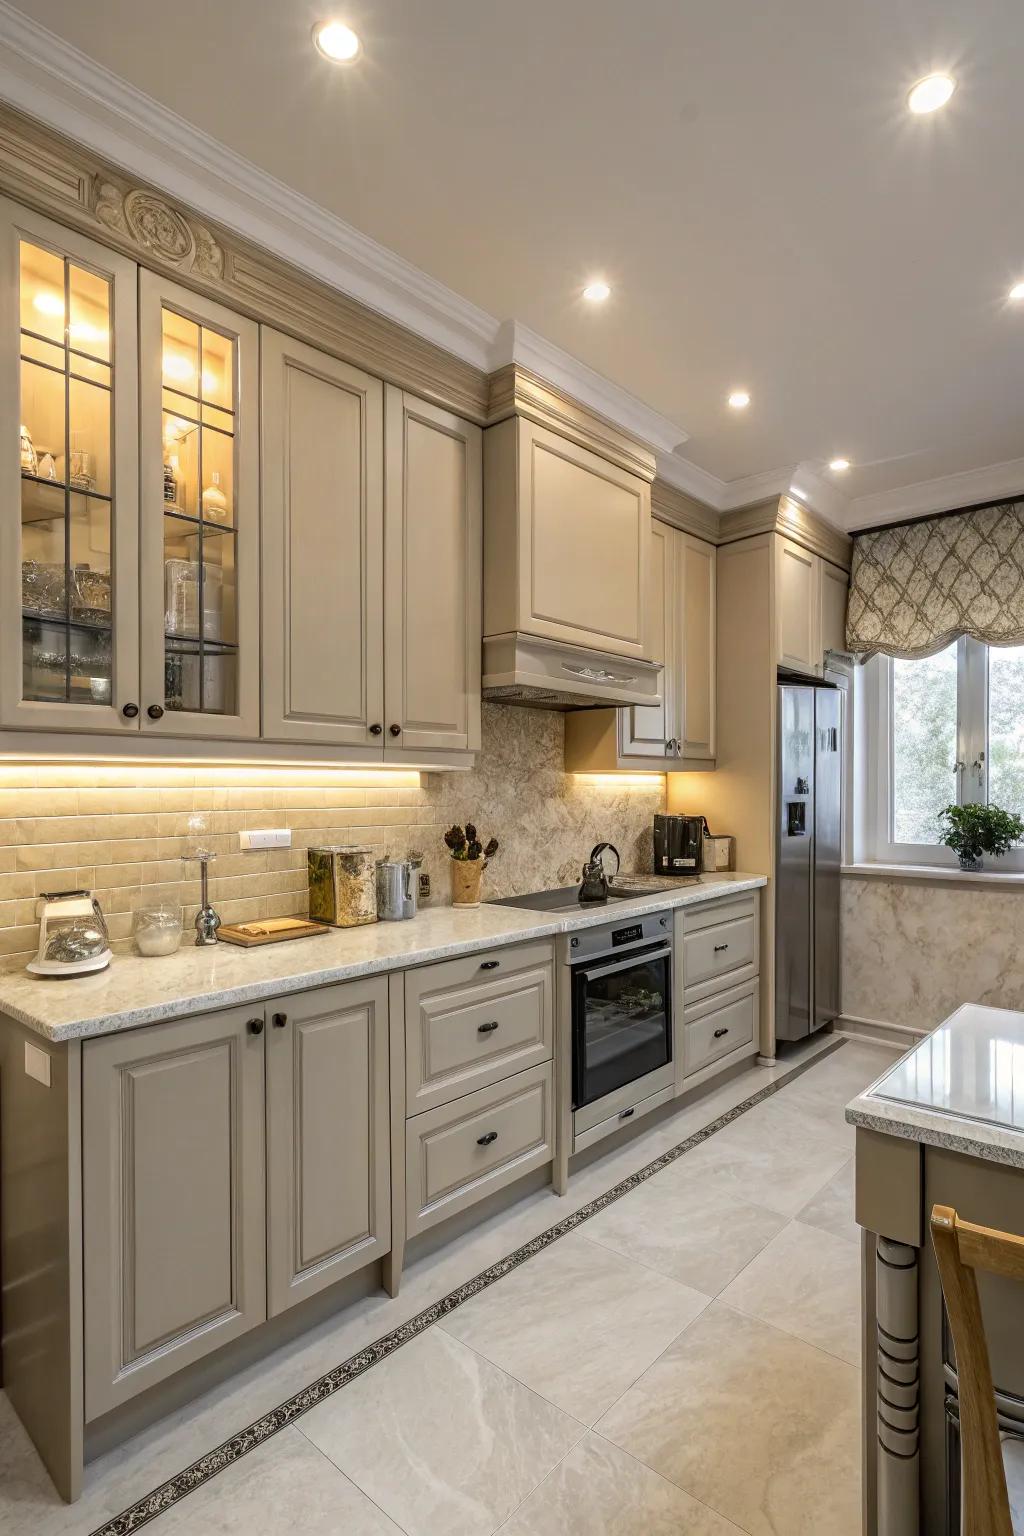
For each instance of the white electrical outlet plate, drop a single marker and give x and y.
(271, 837)
(37, 1064)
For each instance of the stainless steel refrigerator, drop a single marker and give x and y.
(808, 851)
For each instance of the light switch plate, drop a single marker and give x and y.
(37, 1064)
(269, 837)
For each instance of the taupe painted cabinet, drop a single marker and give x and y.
(810, 605)
(233, 1164)
(678, 733)
(372, 529)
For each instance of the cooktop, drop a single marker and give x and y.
(566, 898)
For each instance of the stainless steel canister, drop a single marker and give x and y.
(341, 885)
(396, 890)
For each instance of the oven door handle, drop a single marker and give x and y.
(638, 957)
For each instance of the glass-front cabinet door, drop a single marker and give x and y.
(199, 515)
(69, 652)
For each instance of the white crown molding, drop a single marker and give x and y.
(518, 344)
(963, 489)
(721, 495)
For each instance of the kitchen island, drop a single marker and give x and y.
(944, 1126)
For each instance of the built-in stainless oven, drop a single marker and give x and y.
(621, 1017)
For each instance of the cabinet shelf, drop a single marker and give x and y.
(61, 621)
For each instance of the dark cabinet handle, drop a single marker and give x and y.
(129, 711)
(155, 712)
(489, 965)
(627, 1114)
(279, 1020)
(720, 947)
(255, 1026)
(376, 730)
(395, 730)
(485, 1141)
(488, 1028)
(720, 1032)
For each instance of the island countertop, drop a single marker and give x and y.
(135, 991)
(962, 1087)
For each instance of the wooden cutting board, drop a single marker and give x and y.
(269, 930)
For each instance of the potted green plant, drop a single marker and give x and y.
(974, 830)
(469, 860)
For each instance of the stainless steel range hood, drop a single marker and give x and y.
(548, 674)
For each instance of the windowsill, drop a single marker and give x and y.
(1010, 879)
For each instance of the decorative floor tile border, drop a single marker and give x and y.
(262, 1429)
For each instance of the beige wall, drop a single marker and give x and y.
(914, 950)
(121, 829)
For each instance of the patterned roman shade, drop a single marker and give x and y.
(917, 587)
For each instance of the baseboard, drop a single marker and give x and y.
(902, 1037)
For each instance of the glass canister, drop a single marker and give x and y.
(156, 928)
(342, 885)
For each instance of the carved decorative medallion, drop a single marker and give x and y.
(148, 221)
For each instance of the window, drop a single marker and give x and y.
(946, 729)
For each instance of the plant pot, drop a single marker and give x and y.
(971, 865)
(467, 877)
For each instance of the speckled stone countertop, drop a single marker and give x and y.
(961, 1088)
(134, 991)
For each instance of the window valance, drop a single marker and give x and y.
(917, 587)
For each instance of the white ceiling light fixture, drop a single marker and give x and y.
(1016, 294)
(839, 466)
(739, 399)
(597, 291)
(337, 42)
(931, 93)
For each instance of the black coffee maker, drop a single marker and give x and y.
(678, 845)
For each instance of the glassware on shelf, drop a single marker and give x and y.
(42, 588)
(27, 455)
(81, 466)
(215, 503)
(47, 465)
(90, 595)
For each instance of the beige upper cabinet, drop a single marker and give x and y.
(69, 604)
(173, 1198)
(433, 534)
(810, 607)
(567, 535)
(328, 1138)
(199, 539)
(678, 734)
(323, 548)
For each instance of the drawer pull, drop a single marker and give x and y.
(488, 1028)
(485, 1140)
(720, 1032)
(628, 1113)
(720, 947)
(489, 965)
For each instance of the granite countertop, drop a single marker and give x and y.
(961, 1088)
(134, 991)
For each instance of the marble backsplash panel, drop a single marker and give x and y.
(914, 951)
(121, 830)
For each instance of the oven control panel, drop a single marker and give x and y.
(628, 935)
(611, 938)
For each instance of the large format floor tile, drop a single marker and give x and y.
(806, 1282)
(444, 1442)
(685, 1230)
(762, 1163)
(285, 1487)
(753, 1422)
(577, 1323)
(600, 1491)
(831, 1209)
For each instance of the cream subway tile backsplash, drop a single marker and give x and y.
(120, 829)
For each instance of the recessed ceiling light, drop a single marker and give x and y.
(839, 466)
(1016, 293)
(931, 93)
(739, 399)
(597, 292)
(336, 41)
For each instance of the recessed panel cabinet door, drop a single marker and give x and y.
(69, 600)
(649, 730)
(697, 577)
(433, 578)
(173, 1199)
(328, 1138)
(798, 606)
(323, 580)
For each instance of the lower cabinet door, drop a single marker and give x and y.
(328, 1137)
(173, 1197)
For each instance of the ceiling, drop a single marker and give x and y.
(745, 175)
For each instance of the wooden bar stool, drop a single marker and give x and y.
(960, 1249)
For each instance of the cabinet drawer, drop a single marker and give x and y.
(720, 951)
(723, 1026)
(459, 1153)
(461, 1035)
